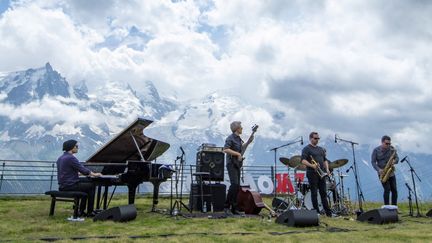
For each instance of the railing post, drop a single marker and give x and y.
(273, 178)
(1, 177)
(52, 176)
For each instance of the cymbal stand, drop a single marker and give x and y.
(178, 204)
(343, 207)
(297, 140)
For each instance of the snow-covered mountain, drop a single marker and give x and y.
(39, 109)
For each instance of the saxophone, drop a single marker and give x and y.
(389, 168)
(318, 170)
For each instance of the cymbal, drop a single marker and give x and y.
(338, 163)
(284, 160)
(295, 162)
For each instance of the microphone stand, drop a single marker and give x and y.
(359, 192)
(411, 213)
(414, 185)
(275, 159)
(176, 184)
(176, 208)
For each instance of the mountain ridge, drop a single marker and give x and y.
(34, 127)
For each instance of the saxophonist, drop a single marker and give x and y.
(381, 155)
(314, 157)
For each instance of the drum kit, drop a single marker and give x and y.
(301, 198)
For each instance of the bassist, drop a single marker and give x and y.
(234, 148)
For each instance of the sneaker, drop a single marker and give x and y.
(72, 219)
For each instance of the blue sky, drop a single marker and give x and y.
(4, 4)
(358, 68)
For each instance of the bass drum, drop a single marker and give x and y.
(308, 201)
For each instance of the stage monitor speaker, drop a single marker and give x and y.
(429, 214)
(298, 218)
(118, 214)
(212, 194)
(212, 162)
(379, 216)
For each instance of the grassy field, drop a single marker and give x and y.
(26, 219)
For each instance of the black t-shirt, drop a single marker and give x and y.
(233, 142)
(317, 153)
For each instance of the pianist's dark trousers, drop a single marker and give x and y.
(87, 187)
(234, 176)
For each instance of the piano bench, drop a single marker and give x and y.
(66, 196)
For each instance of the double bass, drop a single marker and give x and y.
(251, 201)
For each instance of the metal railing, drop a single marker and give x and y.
(24, 177)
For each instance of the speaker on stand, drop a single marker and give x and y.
(212, 162)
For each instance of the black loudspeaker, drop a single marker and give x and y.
(379, 216)
(118, 214)
(212, 162)
(298, 218)
(429, 214)
(212, 194)
(279, 204)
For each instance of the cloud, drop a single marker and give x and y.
(357, 68)
(47, 111)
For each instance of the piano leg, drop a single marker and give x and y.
(156, 185)
(105, 197)
(132, 190)
(98, 197)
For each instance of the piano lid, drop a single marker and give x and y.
(122, 147)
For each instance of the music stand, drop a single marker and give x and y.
(178, 204)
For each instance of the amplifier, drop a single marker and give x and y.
(213, 194)
(209, 147)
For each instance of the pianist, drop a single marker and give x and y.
(68, 168)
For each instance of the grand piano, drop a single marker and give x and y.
(128, 160)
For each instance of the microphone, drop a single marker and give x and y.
(301, 142)
(182, 150)
(404, 159)
(409, 188)
(335, 138)
(349, 169)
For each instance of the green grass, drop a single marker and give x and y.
(26, 219)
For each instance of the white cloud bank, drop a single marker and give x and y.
(358, 68)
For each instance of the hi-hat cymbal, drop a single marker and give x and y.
(284, 160)
(338, 163)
